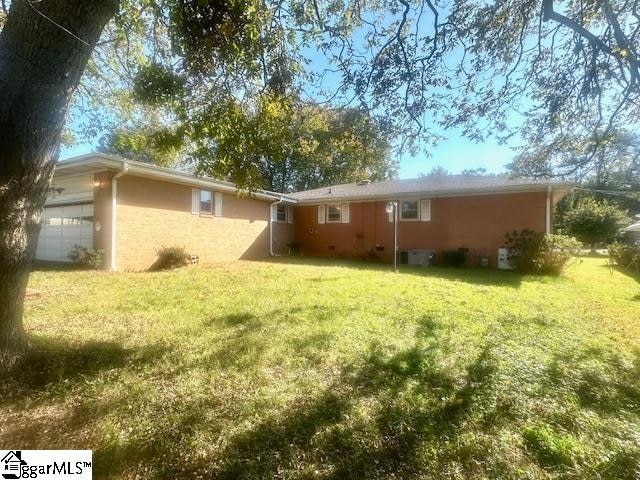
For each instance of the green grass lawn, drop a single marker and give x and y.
(307, 369)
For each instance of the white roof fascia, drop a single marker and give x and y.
(161, 173)
(438, 194)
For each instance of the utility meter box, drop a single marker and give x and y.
(503, 259)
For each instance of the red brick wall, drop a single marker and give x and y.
(478, 223)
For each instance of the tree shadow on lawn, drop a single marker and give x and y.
(471, 275)
(52, 366)
(391, 414)
(422, 408)
(415, 400)
(245, 320)
(605, 385)
(599, 379)
(47, 401)
(47, 266)
(325, 434)
(241, 345)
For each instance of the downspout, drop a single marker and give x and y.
(271, 252)
(114, 205)
(548, 210)
(395, 235)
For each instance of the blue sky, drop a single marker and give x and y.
(458, 153)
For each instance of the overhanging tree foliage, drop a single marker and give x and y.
(553, 69)
(285, 146)
(568, 67)
(292, 147)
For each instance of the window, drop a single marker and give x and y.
(409, 210)
(206, 201)
(281, 213)
(334, 213)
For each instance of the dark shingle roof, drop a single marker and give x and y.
(432, 185)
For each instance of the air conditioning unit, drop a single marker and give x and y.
(421, 257)
(503, 259)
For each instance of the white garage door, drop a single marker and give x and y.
(62, 228)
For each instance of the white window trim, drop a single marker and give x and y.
(195, 201)
(339, 207)
(425, 216)
(288, 212)
(216, 203)
(418, 201)
(345, 213)
(322, 214)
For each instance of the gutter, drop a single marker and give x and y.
(431, 194)
(160, 173)
(114, 206)
(271, 229)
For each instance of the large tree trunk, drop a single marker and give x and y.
(41, 62)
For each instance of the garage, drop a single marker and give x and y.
(62, 228)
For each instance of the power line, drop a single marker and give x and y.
(57, 24)
(610, 192)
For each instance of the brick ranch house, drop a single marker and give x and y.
(131, 209)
